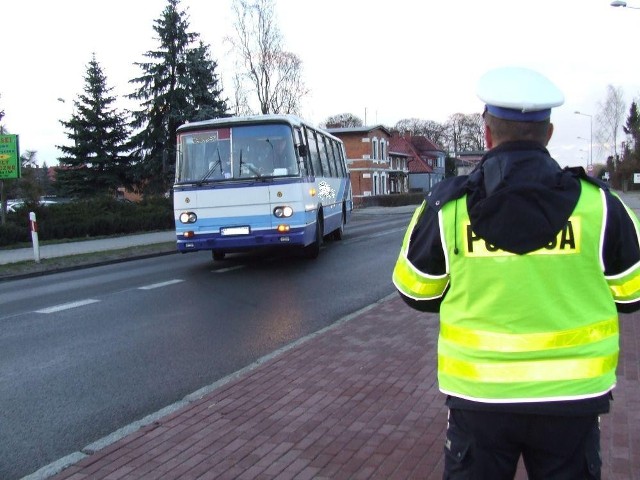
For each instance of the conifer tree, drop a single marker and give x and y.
(203, 95)
(632, 127)
(96, 162)
(624, 168)
(178, 84)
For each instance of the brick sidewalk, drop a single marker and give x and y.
(359, 401)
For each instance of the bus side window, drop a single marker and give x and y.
(342, 159)
(313, 153)
(327, 157)
(339, 160)
(331, 144)
(326, 170)
(302, 153)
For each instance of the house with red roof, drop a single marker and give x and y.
(425, 160)
(382, 162)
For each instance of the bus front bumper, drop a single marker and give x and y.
(238, 243)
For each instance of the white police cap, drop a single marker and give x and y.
(520, 94)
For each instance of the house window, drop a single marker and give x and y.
(374, 149)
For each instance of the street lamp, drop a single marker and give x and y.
(620, 3)
(591, 134)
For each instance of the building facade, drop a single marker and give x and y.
(425, 160)
(382, 162)
(367, 150)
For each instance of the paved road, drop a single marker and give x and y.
(82, 339)
(358, 400)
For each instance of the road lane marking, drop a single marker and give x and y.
(228, 269)
(67, 306)
(369, 236)
(159, 285)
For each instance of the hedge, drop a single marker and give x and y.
(88, 218)
(392, 200)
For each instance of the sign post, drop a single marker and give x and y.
(9, 165)
(9, 157)
(34, 236)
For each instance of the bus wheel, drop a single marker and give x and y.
(337, 234)
(217, 256)
(313, 250)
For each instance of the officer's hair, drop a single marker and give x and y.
(509, 130)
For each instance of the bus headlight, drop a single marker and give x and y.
(283, 212)
(188, 217)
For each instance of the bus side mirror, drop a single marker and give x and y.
(302, 150)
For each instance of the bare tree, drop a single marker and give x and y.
(474, 133)
(609, 119)
(455, 132)
(342, 120)
(265, 70)
(240, 103)
(465, 133)
(288, 86)
(433, 130)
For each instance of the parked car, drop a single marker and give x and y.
(13, 205)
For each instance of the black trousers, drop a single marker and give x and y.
(488, 446)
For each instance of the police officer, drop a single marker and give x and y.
(528, 265)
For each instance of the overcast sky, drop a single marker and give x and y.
(382, 61)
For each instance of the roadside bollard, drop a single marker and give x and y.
(34, 236)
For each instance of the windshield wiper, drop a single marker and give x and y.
(249, 166)
(218, 163)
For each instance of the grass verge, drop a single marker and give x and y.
(49, 265)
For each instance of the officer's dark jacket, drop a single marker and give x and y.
(518, 200)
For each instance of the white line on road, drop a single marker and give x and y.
(228, 269)
(161, 284)
(369, 236)
(67, 306)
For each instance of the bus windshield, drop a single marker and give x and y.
(236, 153)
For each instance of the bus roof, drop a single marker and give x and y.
(292, 120)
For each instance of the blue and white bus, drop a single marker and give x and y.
(260, 181)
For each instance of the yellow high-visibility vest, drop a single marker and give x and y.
(517, 328)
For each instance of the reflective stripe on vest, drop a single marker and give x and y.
(535, 327)
(625, 287)
(527, 342)
(547, 371)
(408, 279)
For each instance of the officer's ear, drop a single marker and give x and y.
(549, 133)
(488, 137)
